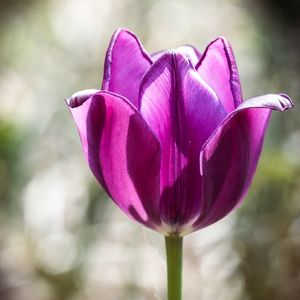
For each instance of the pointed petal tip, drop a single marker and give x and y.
(278, 102)
(127, 32)
(80, 97)
(222, 38)
(286, 102)
(119, 30)
(218, 38)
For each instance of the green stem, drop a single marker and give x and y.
(174, 266)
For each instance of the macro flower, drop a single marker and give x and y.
(169, 136)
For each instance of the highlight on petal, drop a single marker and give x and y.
(229, 158)
(80, 97)
(192, 53)
(183, 111)
(125, 64)
(123, 153)
(218, 68)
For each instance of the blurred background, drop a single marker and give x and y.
(61, 238)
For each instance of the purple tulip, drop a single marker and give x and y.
(169, 137)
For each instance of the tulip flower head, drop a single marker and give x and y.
(169, 136)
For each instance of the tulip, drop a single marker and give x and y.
(170, 138)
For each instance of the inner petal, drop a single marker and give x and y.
(191, 52)
(182, 111)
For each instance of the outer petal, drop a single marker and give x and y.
(125, 64)
(228, 160)
(192, 53)
(218, 68)
(182, 111)
(122, 152)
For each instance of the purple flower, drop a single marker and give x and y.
(169, 137)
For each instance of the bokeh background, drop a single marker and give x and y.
(61, 238)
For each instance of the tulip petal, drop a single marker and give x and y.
(229, 158)
(125, 64)
(182, 111)
(80, 97)
(192, 53)
(122, 152)
(218, 68)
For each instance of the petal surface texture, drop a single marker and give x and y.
(182, 111)
(229, 158)
(218, 68)
(123, 153)
(125, 64)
